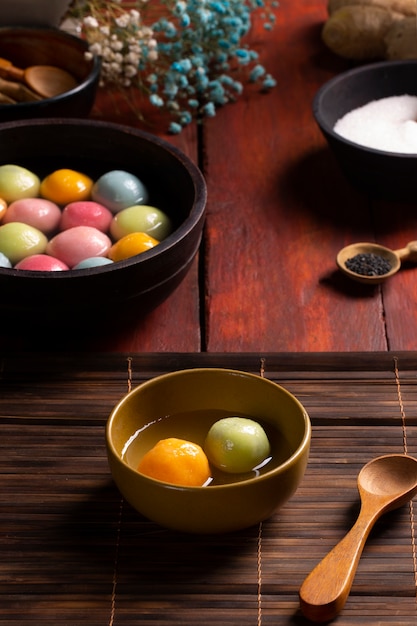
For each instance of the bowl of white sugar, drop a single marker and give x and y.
(368, 116)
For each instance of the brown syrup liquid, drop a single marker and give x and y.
(194, 426)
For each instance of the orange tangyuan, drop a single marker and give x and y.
(65, 186)
(131, 245)
(176, 461)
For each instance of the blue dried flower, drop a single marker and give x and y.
(156, 100)
(175, 128)
(209, 110)
(256, 73)
(191, 59)
(269, 82)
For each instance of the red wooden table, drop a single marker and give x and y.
(278, 211)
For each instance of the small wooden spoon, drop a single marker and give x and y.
(384, 484)
(393, 256)
(46, 80)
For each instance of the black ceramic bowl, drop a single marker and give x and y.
(135, 285)
(379, 173)
(25, 47)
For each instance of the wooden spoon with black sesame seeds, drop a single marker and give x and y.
(371, 263)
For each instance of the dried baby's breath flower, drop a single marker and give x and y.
(189, 56)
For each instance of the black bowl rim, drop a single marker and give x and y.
(362, 69)
(196, 213)
(92, 77)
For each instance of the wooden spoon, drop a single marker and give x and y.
(46, 80)
(17, 92)
(393, 256)
(384, 484)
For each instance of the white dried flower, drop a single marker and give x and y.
(122, 21)
(107, 52)
(135, 17)
(132, 58)
(90, 22)
(116, 45)
(130, 71)
(116, 68)
(96, 48)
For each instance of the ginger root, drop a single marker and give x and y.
(401, 40)
(358, 32)
(365, 30)
(406, 7)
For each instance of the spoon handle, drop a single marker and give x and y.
(7, 70)
(409, 252)
(325, 590)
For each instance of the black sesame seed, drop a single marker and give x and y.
(368, 264)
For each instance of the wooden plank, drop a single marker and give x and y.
(72, 552)
(396, 226)
(280, 206)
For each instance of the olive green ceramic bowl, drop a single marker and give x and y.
(184, 404)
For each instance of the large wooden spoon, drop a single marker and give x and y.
(384, 484)
(46, 80)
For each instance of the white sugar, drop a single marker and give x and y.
(389, 124)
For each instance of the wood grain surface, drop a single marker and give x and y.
(279, 209)
(72, 552)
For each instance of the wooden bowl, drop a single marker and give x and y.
(25, 47)
(202, 396)
(376, 172)
(133, 286)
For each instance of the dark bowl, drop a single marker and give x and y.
(379, 173)
(140, 283)
(25, 47)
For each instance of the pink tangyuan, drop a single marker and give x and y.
(37, 212)
(76, 244)
(86, 213)
(41, 263)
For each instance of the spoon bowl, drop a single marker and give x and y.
(46, 80)
(393, 477)
(384, 484)
(394, 258)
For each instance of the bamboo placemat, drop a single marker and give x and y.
(73, 553)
